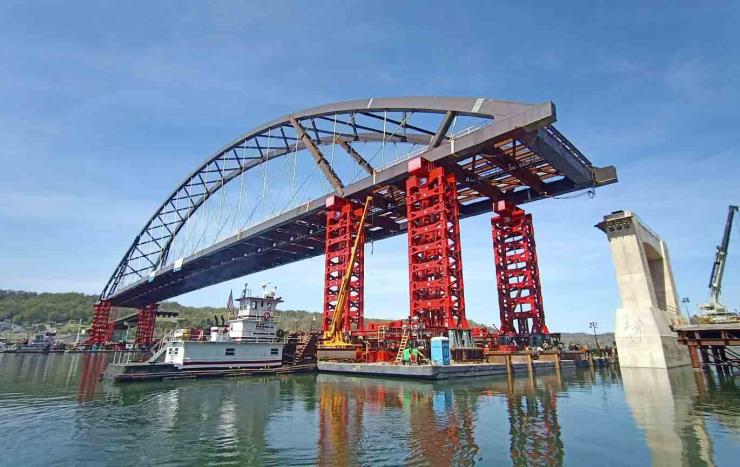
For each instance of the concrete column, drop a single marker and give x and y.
(649, 298)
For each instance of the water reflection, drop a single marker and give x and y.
(575, 418)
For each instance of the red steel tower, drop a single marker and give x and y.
(101, 330)
(342, 221)
(435, 261)
(517, 272)
(145, 328)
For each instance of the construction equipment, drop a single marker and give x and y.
(402, 345)
(334, 337)
(714, 311)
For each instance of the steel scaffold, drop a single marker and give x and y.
(342, 221)
(101, 330)
(517, 272)
(145, 327)
(435, 261)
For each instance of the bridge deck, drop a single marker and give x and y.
(525, 140)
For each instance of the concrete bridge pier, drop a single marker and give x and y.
(650, 303)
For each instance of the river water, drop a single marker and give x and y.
(54, 411)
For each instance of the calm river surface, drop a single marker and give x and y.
(53, 411)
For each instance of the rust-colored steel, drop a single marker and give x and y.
(435, 260)
(342, 221)
(517, 272)
(145, 327)
(101, 330)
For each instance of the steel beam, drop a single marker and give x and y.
(321, 161)
(472, 180)
(442, 130)
(356, 156)
(509, 165)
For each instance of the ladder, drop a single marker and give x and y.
(402, 345)
(305, 342)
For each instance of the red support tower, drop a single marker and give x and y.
(101, 330)
(342, 221)
(145, 328)
(517, 272)
(435, 260)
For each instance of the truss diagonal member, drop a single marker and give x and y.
(356, 156)
(508, 164)
(323, 164)
(470, 179)
(442, 130)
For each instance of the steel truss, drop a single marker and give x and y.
(342, 222)
(435, 260)
(101, 330)
(495, 149)
(517, 272)
(145, 326)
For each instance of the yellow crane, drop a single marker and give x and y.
(334, 337)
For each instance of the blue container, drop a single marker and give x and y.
(440, 350)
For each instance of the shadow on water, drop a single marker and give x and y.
(676, 417)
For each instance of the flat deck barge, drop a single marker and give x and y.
(440, 372)
(145, 371)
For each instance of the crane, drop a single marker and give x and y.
(714, 310)
(333, 337)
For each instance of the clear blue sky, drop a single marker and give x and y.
(106, 106)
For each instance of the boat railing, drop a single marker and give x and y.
(122, 358)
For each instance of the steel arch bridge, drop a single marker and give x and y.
(260, 201)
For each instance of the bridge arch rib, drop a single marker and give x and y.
(506, 150)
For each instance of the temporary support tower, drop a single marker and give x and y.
(342, 222)
(145, 328)
(435, 261)
(517, 272)
(101, 330)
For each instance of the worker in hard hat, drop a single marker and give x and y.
(406, 356)
(416, 356)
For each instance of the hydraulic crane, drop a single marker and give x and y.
(714, 310)
(334, 337)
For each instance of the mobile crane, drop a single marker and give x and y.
(334, 341)
(714, 311)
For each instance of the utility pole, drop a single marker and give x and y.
(686, 301)
(593, 325)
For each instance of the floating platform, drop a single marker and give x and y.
(164, 371)
(437, 372)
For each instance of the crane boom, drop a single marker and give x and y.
(333, 336)
(718, 267)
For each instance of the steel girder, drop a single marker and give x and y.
(516, 155)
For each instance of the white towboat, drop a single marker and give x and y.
(250, 340)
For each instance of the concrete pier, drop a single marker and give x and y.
(650, 302)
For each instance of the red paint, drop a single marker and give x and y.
(342, 222)
(517, 272)
(435, 260)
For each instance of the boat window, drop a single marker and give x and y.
(274, 351)
(262, 303)
(230, 351)
(254, 304)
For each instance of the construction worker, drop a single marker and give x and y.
(406, 356)
(416, 356)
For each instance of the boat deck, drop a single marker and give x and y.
(435, 372)
(164, 371)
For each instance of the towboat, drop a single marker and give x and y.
(248, 342)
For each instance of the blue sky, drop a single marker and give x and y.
(105, 107)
